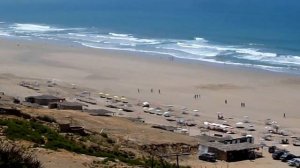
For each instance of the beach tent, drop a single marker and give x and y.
(158, 112)
(124, 100)
(102, 95)
(246, 119)
(268, 122)
(167, 114)
(239, 125)
(116, 98)
(184, 112)
(151, 110)
(250, 128)
(146, 104)
(181, 121)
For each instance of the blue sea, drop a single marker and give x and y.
(254, 33)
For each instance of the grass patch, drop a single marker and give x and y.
(40, 134)
(43, 135)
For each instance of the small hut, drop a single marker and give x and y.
(44, 100)
(66, 105)
(67, 128)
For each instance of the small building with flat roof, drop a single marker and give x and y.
(43, 100)
(65, 105)
(229, 149)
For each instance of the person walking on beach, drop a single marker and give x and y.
(138, 90)
(151, 90)
(283, 115)
(225, 101)
(158, 91)
(243, 104)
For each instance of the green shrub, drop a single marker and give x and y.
(40, 134)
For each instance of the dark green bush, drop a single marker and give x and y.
(40, 134)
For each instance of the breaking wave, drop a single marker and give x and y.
(34, 28)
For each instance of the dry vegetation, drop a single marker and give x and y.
(40, 127)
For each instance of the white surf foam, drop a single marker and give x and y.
(119, 35)
(77, 34)
(198, 52)
(91, 45)
(34, 28)
(200, 39)
(2, 33)
(286, 60)
(255, 44)
(254, 52)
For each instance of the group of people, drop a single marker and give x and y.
(197, 96)
(242, 103)
(151, 90)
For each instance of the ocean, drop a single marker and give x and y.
(261, 34)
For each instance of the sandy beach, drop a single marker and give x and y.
(267, 95)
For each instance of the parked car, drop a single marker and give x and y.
(287, 156)
(211, 157)
(277, 154)
(294, 162)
